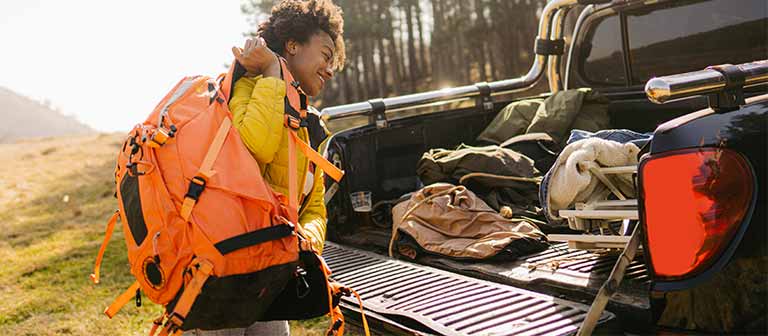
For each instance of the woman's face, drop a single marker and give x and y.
(310, 62)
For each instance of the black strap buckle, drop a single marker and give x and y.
(302, 287)
(138, 297)
(133, 168)
(196, 187)
(302, 100)
(336, 325)
(294, 123)
(293, 118)
(174, 322)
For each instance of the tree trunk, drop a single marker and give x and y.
(369, 70)
(366, 92)
(393, 58)
(369, 65)
(401, 55)
(382, 67)
(412, 65)
(436, 46)
(348, 95)
(422, 46)
(494, 71)
(480, 30)
(462, 60)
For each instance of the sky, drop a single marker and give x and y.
(108, 63)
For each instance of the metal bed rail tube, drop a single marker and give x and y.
(664, 89)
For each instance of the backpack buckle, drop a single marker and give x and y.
(173, 323)
(295, 123)
(283, 220)
(133, 168)
(302, 286)
(160, 136)
(196, 187)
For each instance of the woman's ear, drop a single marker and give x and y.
(291, 47)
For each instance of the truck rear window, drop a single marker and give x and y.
(688, 38)
(673, 37)
(604, 61)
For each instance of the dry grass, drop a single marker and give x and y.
(55, 199)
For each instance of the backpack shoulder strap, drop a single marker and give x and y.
(316, 129)
(297, 102)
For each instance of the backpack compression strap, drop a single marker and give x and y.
(201, 270)
(107, 236)
(128, 294)
(198, 182)
(122, 300)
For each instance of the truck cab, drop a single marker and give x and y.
(650, 59)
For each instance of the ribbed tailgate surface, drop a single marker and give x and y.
(449, 303)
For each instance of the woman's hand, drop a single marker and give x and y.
(257, 58)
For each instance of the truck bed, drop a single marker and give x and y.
(384, 161)
(425, 300)
(572, 275)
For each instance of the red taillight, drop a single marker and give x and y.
(693, 202)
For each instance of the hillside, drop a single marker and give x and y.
(26, 118)
(56, 195)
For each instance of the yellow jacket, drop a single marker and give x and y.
(257, 105)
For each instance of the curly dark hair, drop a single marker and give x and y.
(298, 20)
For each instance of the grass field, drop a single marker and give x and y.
(55, 198)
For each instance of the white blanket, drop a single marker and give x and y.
(570, 180)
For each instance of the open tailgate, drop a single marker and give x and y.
(448, 303)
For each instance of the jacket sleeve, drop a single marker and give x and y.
(314, 217)
(257, 106)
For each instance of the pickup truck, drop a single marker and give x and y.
(661, 65)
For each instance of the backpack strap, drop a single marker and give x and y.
(157, 323)
(201, 270)
(362, 312)
(297, 101)
(329, 168)
(122, 300)
(107, 236)
(198, 182)
(337, 319)
(293, 187)
(129, 293)
(336, 289)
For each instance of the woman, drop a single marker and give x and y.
(308, 34)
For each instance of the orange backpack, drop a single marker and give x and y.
(207, 237)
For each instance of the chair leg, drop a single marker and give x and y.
(611, 285)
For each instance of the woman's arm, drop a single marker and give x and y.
(257, 104)
(314, 217)
(257, 107)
